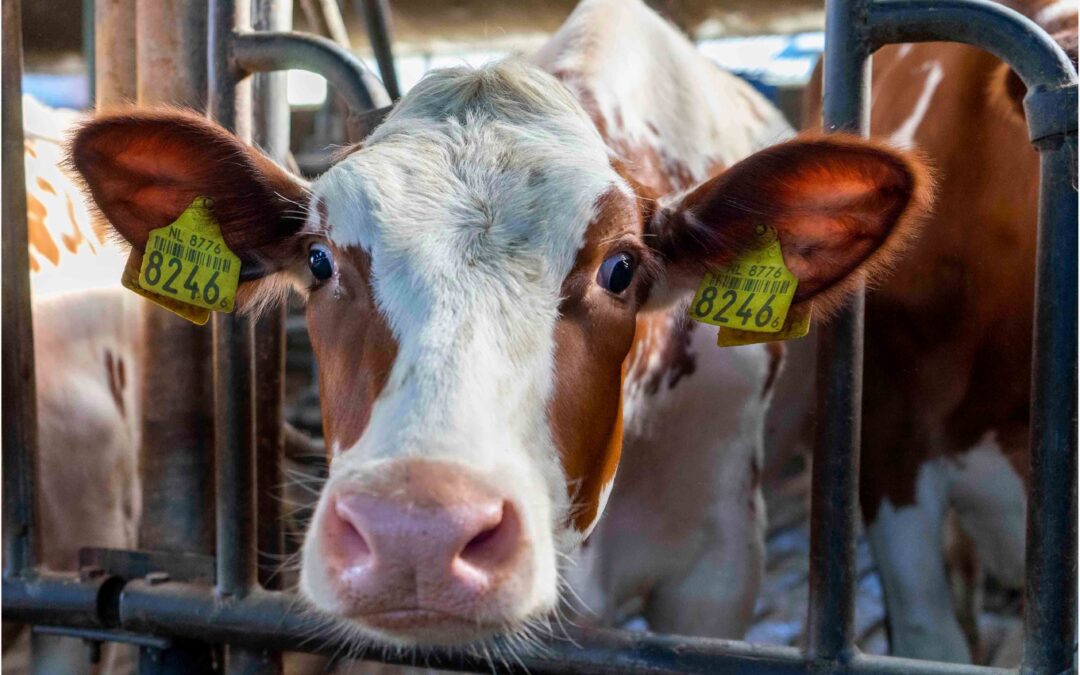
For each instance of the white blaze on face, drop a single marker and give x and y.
(472, 200)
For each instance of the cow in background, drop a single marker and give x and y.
(86, 345)
(948, 336)
(479, 276)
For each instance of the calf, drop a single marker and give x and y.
(948, 336)
(479, 275)
(86, 341)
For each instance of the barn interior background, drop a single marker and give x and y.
(774, 44)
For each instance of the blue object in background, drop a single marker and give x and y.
(58, 91)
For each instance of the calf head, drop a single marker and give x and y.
(473, 274)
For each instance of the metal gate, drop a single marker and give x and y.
(180, 612)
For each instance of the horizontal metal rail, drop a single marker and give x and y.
(274, 620)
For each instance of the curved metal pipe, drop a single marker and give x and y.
(1003, 32)
(264, 52)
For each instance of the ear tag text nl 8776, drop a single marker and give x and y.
(750, 298)
(186, 267)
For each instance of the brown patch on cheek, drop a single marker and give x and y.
(353, 346)
(592, 339)
(586, 409)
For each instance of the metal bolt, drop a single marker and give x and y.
(155, 578)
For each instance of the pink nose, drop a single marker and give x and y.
(432, 541)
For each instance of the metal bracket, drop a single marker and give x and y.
(1051, 111)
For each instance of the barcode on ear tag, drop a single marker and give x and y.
(188, 262)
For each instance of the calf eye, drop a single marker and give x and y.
(616, 272)
(320, 262)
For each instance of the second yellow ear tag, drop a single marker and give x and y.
(187, 267)
(749, 299)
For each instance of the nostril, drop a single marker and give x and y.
(495, 543)
(347, 545)
(477, 543)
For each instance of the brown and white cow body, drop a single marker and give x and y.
(479, 276)
(681, 541)
(86, 341)
(948, 335)
(86, 337)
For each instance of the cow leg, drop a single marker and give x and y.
(907, 546)
(991, 503)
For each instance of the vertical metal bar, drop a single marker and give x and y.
(88, 48)
(19, 393)
(1050, 593)
(176, 460)
(237, 572)
(177, 413)
(114, 52)
(836, 450)
(377, 19)
(271, 134)
(324, 17)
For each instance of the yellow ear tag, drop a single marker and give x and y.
(187, 268)
(749, 299)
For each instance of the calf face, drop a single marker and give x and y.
(473, 275)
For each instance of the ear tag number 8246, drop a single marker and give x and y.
(752, 294)
(189, 262)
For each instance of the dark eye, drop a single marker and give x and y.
(617, 272)
(320, 263)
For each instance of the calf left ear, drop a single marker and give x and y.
(143, 168)
(838, 205)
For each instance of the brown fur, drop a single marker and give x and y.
(143, 168)
(592, 337)
(353, 345)
(836, 203)
(948, 335)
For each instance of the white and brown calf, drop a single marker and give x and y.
(476, 275)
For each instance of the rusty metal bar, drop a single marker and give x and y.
(21, 547)
(177, 415)
(177, 412)
(271, 134)
(325, 18)
(237, 562)
(377, 20)
(114, 52)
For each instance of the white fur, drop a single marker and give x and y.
(1055, 11)
(668, 96)
(473, 199)
(683, 539)
(904, 136)
(989, 499)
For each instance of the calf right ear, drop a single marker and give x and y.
(144, 168)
